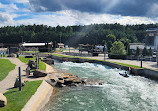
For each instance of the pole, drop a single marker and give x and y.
(141, 62)
(38, 62)
(104, 52)
(20, 79)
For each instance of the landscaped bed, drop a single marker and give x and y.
(17, 99)
(5, 67)
(42, 65)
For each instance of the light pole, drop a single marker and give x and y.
(141, 61)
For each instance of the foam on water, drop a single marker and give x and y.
(117, 94)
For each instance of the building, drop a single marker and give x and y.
(152, 38)
(9, 48)
(60, 45)
(157, 56)
(43, 47)
(134, 46)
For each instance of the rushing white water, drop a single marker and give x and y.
(117, 94)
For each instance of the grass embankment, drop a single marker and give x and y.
(17, 99)
(42, 65)
(5, 67)
(128, 65)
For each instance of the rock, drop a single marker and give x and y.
(16, 84)
(39, 73)
(29, 56)
(59, 84)
(52, 80)
(32, 64)
(68, 81)
(48, 61)
(3, 100)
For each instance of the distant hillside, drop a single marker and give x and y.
(73, 35)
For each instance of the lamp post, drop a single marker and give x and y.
(19, 78)
(104, 52)
(141, 60)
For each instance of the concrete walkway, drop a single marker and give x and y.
(146, 64)
(9, 81)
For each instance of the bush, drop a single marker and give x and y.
(118, 48)
(116, 56)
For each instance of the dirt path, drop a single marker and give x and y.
(9, 81)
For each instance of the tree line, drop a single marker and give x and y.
(74, 35)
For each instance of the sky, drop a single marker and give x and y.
(77, 12)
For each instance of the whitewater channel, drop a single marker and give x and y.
(116, 94)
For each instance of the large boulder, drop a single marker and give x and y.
(3, 100)
(16, 84)
(39, 73)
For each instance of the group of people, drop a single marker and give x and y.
(2, 53)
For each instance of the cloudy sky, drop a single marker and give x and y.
(77, 12)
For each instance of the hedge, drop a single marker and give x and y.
(115, 56)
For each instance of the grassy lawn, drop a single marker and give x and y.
(28, 51)
(42, 65)
(128, 65)
(17, 99)
(5, 67)
(137, 67)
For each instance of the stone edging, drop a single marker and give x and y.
(40, 98)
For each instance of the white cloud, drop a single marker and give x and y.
(19, 1)
(6, 19)
(9, 7)
(65, 18)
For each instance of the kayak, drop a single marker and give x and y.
(122, 74)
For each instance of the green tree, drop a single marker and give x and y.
(145, 52)
(129, 51)
(118, 48)
(109, 45)
(111, 37)
(137, 51)
(150, 52)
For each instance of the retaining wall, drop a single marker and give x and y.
(141, 72)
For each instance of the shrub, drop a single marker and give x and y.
(116, 56)
(118, 48)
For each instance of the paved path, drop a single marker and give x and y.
(146, 64)
(9, 81)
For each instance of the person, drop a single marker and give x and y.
(125, 75)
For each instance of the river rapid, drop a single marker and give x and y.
(116, 94)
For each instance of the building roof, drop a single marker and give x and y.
(152, 29)
(33, 44)
(60, 44)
